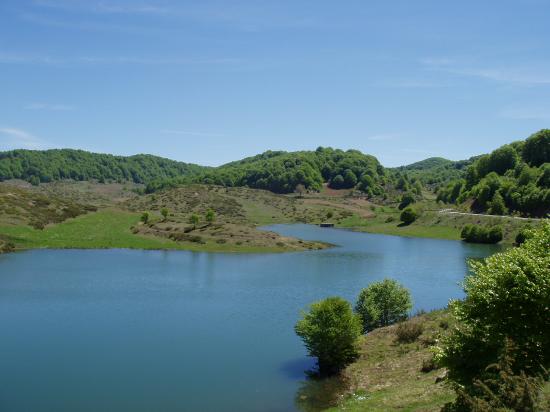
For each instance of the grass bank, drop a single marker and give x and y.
(430, 224)
(389, 375)
(109, 228)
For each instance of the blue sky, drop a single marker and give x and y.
(213, 81)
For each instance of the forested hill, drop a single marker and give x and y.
(280, 172)
(514, 178)
(46, 165)
(285, 172)
(436, 171)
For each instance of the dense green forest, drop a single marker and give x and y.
(286, 172)
(48, 165)
(435, 171)
(514, 178)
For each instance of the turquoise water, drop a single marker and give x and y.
(113, 330)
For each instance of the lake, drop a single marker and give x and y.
(112, 330)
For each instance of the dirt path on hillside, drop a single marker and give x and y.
(454, 212)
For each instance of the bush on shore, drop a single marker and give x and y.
(330, 330)
(480, 234)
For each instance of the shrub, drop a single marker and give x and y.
(145, 217)
(502, 389)
(390, 219)
(408, 332)
(330, 330)
(210, 216)
(408, 215)
(523, 235)
(480, 234)
(382, 304)
(508, 295)
(406, 200)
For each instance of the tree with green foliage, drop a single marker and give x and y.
(350, 179)
(536, 150)
(34, 180)
(145, 217)
(337, 182)
(164, 213)
(507, 296)
(330, 214)
(406, 200)
(383, 303)
(330, 330)
(194, 219)
(210, 216)
(497, 206)
(408, 215)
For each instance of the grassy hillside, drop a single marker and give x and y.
(236, 213)
(433, 222)
(23, 207)
(389, 374)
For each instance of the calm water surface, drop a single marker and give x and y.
(112, 330)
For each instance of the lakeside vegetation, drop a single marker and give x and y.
(487, 352)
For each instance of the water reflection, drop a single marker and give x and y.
(317, 393)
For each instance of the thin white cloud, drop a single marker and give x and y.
(242, 16)
(409, 84)
(50, 107)
(534, 74)
(130, 9)
(537, 113)
(12, 58)
(191, 133)
(16, 58)
(12, 138)
(103, 7)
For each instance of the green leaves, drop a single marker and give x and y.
(408, 215)
(382, 304)
(329, 331)
(508, 296)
